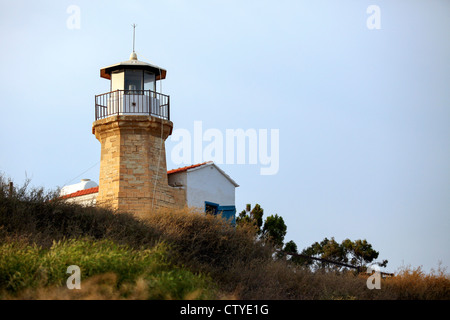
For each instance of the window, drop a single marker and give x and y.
(227, 212)
(117, 80)
(149, 81)
(133, 81)
(211, 207)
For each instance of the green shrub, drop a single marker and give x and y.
(30, 267)
(19, 266)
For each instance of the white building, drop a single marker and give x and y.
(83, 185)
(207, 187)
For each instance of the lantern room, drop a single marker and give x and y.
(133, 75)
(132, 90)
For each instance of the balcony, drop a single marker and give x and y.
(132, 102)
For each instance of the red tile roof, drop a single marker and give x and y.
(187, 168)
(95, 190)
(81, 193)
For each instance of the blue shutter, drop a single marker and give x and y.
(228, 212)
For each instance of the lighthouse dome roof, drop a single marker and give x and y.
(133, 63)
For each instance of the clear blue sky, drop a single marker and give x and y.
(363, 115)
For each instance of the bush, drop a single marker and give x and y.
(206, 242)
(30, 267)
(41, 218)
(414, 284)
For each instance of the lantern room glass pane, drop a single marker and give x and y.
(133, 80)
(149, 81)
(117, 80)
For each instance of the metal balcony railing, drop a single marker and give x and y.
(132, 102)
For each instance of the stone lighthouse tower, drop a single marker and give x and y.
(132, 122)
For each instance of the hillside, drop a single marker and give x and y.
(167, 254)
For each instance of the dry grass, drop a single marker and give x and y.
(101, 287)
(206, 242)
(414, 283)
(245, 268)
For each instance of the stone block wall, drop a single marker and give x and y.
(133, 169)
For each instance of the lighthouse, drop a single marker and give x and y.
(132, 122)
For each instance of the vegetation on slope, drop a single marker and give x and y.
(169, 254)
